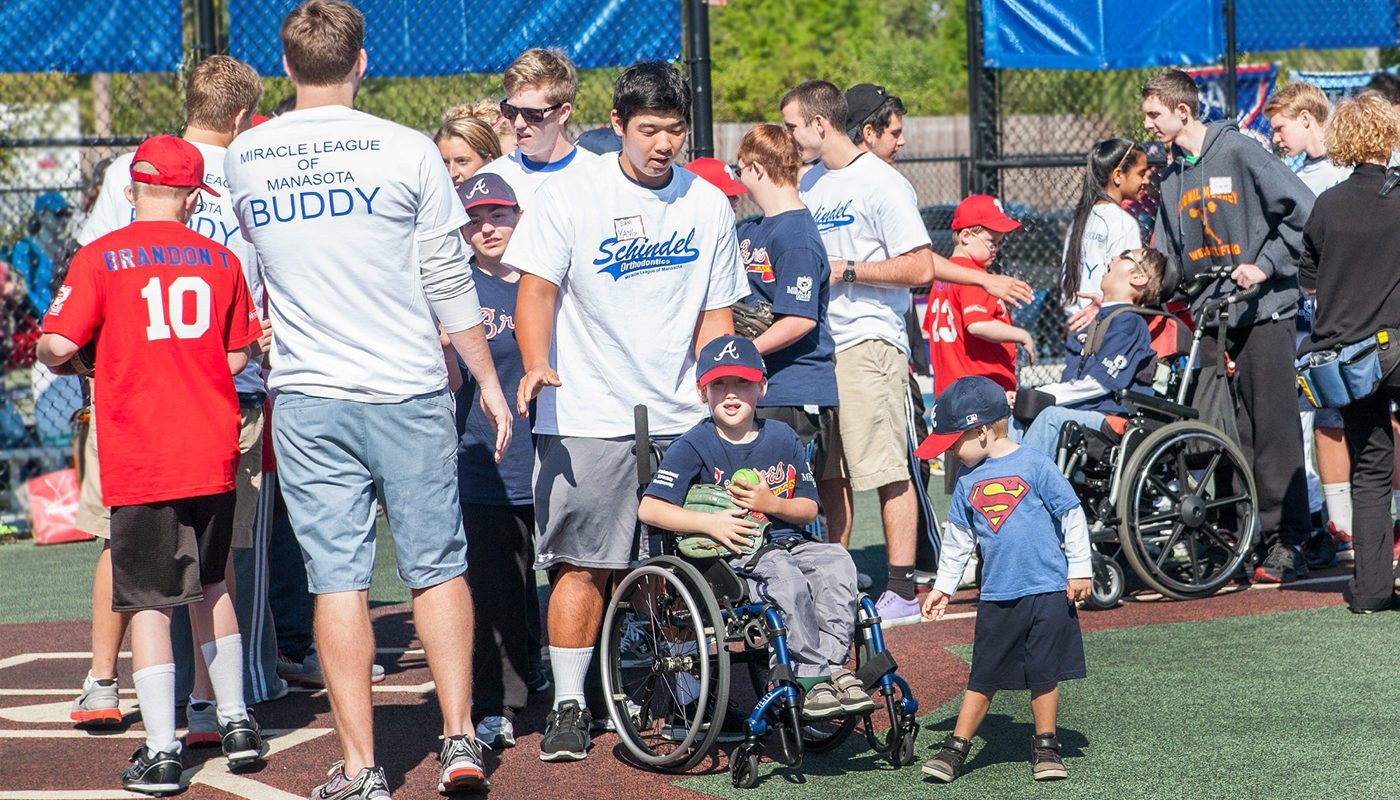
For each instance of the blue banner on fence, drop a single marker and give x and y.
(407, 38)
(1254, 84)
(83, 36)
(1336, 85)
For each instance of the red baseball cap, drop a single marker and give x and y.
(259, 119)
(176, 163)
(983, 210)
(718, 173)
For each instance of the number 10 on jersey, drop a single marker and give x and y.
(181, 289)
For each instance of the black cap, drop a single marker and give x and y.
(969, 402)
(861, 101)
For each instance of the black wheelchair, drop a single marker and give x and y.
(673, 629)
(1171, 496)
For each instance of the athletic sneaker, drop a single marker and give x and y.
(97, 704)
(602, 721)
(566, 735)
(1320, 551)
(242, 741)
(863, 582)
(155, 773)
(369, 784)
(1343, 540)
(731, 729)
(202, 724)
(461, 768)
(1046, 764)
(850, 692)
(924, 580)
(496, 732)
(310, 673)
(637, 647)
(1284, 564)
(946, 766)
(893, 608)
(821, 702)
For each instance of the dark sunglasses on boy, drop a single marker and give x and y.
(532, 116)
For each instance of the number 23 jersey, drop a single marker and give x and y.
(165, 305)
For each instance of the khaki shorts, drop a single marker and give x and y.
(95, 518)
(872, 378)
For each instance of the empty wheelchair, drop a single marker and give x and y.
(1170, 496)
(673, 630)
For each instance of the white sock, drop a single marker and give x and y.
(225, 660)
(1338, 499)
(155, 691)
(570, 668)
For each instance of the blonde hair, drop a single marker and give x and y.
(773, 147)
(999, 428)
(1297, 97)
(488, 111)
(321, 40)
(218, 88)
(1362, 129)
(540, 68)
(477, 134)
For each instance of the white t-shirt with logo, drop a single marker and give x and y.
(525, 177)
(215, 221)
(1108, 231)
(336, 201)
(865, 211)
(636, 268)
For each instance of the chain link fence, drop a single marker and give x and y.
(60, 126)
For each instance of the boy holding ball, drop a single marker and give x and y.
(763, 465)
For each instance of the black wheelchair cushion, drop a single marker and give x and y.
(728, 587)
(1030, 402)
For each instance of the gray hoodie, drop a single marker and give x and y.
(1238, 204)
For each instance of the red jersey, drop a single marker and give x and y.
(165, 305)
(953, 352)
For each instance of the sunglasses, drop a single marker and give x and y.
(1138, 265)
(532, 116)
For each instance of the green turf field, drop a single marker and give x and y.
(1297, 704)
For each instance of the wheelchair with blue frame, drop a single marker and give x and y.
(668, 693)
(1170, 496)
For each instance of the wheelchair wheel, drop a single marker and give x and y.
(1108, 584)
(1188, 509)
(668, 704)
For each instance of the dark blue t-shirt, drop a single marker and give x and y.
(479, 478)
(1013, 506)
(787, 266)
(701, 455)
(1125, 351)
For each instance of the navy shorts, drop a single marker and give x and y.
(1032, 642)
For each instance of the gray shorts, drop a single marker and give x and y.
(586, 503)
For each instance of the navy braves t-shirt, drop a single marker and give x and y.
(479, 478)
(701, 455)
(1013, 506)
(787, 266)
(1126, 350)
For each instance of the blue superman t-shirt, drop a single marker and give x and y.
(1013, 506)
(787, 266)
(1126, 350)
(701, 455)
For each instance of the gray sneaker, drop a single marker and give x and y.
(369, 784)
(460, 764)
(821, 702)
(850, 692)
(97, 705)
(1046, 764)
(202, 724)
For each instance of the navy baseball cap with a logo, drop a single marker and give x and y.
(488, 189)
(729, 355)
(969, 402)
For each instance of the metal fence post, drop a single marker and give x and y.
(982, 109)
(696, 21)
(205, 44)
(1232, 102)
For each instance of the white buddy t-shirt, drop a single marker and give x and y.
(1320, 174)
(636, 268)
(865, 211)
(1109, 231)
(525, 177)
(215, 221)
(336, 201)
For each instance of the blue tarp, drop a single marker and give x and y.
(1121, 34)
(450, 37)
(84, 36)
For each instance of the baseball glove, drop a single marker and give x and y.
(712, 499)
(752, 318)
(81, 363)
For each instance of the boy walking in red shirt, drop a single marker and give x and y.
(170, 317)
(970, 331)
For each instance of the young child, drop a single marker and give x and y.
(1021, 511)
(1116, 171)
(1087, 391)
(970, 331)
(813, 583)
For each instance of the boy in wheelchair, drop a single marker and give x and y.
(812, 583)
(1113, 354)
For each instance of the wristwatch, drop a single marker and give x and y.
(849, 275)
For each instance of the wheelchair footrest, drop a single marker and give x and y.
(879, 664)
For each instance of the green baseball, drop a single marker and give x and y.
(747, 477)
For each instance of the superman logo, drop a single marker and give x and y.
(996, 498)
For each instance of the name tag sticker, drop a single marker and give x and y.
(1222, 185)
(625, 228)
